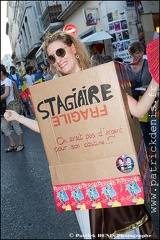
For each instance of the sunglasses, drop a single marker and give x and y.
(60, 52)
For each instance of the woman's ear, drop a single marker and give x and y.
(73, 48)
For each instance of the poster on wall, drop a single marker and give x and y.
(140, 32)
(118, 29)
(90, 16)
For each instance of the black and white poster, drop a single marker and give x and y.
(118, 29)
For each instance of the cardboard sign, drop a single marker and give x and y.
(90, 139)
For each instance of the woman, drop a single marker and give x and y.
(67, 55)
(29, 78)
(139, 75)
(9, 96)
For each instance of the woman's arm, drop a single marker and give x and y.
(6, 93)
(30, 123)
(141, 107)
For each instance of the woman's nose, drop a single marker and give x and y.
(58, 59)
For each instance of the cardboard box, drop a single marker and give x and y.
(89, 137)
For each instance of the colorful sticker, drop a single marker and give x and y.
(133, 189)
(115, 192)
(92, 193)
(78, 195)
(109, 193)
(125, 164)
(63, 197)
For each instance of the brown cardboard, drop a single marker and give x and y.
(67, 144)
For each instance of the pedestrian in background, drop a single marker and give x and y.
(14, 76)
(44, 72)
(8, 95)
(37, 75)
(29, 78)
(139, 74)
(49, 75)
(67, 55)
(17, 77)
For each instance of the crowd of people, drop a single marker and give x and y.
(22, 81)
(67, 55)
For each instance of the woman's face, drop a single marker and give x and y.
(67, 64)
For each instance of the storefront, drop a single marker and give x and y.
(129, 21)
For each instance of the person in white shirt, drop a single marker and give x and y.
(14, 76)
(29, 78)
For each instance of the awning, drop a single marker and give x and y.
(97, 36)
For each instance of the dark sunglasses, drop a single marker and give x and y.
(60, 52)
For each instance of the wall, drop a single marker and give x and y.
(120, 22)
(78, 18)
(140, 26)
(109, 6)
(150, 6)
(148, 27)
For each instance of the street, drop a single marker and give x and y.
(27, 206)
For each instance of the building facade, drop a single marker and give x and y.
(125, 21)
(7, 62)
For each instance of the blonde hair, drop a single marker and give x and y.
(84, 59)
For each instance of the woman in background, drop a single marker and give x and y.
(8, 96)
(140, 76)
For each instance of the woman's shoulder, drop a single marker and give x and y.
(7, 82)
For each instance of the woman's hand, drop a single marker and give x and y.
(10, 115)
(30, 123)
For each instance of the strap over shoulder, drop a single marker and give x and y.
(16, 93)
